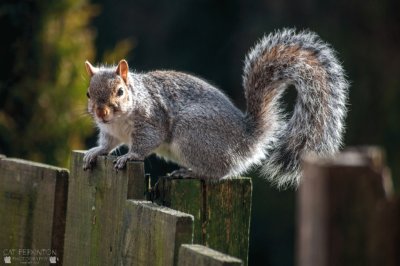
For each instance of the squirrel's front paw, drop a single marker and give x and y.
(121, 161)
(89, 159)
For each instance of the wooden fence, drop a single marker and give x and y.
(347, 212)
(53, 216)
(347, 215)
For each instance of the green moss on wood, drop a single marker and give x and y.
(221, 210)
(96, 203)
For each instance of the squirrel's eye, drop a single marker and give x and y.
(88, 95)
(120, 92)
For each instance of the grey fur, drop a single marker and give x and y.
(184, 119)
(316, 126)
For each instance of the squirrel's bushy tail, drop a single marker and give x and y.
(301, 59)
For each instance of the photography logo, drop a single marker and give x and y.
(30, 256)
(7, 260)
(53, 259)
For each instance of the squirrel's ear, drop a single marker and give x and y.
(91, 70)
(123, 70)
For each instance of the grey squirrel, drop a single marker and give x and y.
(186, 120)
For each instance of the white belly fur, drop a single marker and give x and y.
(120, 131)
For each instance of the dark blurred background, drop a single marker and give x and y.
(43, 83)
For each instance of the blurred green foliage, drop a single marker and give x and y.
(41, 84)
(42, 77)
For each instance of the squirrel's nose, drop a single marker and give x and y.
(102, 112)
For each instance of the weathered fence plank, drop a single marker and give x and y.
(221, 210)
(228, 212)
(153, 234)
(337, 203)
(199, 255)
(184, 195)
(32, 210)
(96, 204)
(137, 186)
(384, 244)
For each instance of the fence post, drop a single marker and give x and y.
(384, 246)
(202, 256)
(152, 234)
(221, 209)
(337, 202)
(32, 210)
(96, 203)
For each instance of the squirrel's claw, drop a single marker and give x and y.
(90, 157)
(89, 163)
(120, 162)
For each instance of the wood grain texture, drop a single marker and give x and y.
(153, 234)
(96, 204)
(200, 255)
(221, 210)
(32, 206)
(137, 186)
(186, 196)
(228, 211)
